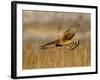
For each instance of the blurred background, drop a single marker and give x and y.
(40, 27)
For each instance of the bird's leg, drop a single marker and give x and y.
(73, 45)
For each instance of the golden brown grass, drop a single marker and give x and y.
(56, 57)
(44, 26)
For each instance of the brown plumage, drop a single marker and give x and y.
(65, 40)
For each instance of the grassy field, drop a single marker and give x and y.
(40, 27)
(56, 57)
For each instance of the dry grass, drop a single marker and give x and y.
(56, 57)
(44, 26)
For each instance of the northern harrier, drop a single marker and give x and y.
(65, 40)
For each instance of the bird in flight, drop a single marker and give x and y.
(65, 39)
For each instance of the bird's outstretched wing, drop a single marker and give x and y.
(70, 32)
(45, 45)
(64, 40)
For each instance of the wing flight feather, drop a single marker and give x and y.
(69, 33)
